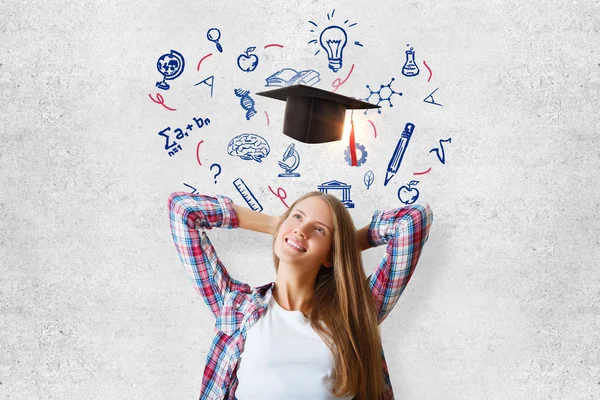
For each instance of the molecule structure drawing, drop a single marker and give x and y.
(384, 93)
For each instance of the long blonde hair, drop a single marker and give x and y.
(342, 310)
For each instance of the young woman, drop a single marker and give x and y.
(313, 332)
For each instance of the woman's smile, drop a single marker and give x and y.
(294, 245)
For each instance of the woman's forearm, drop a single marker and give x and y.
(254, 220)
(362, 238)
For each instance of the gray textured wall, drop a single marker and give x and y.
(94, 302)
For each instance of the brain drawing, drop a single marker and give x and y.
(248, 146)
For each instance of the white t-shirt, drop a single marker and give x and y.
(284, 358)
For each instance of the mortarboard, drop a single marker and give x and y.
(314, 115)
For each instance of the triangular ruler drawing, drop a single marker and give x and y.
(432, 101)
(212, 80)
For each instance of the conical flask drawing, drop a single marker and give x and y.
(410, 67)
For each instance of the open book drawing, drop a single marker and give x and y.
(289, 77)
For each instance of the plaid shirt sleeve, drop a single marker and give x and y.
(405, 230)
(190, 214)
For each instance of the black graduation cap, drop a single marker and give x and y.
(314, 115)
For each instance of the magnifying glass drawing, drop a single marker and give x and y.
(214, 34)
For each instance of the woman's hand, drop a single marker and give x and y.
(254, 220)
(274, 222)
(362, 238)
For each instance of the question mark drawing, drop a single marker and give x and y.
(217, 174)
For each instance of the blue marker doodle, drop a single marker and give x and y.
(410, 67)
(246, 102)
(408, 194)
(213, 35)
(247, 62)
(205, 82)
(441, 157)
(217, 174)
(336, 186)
(172, 146)
(289, 169)
(191, 187)
(363, 155)
(289, 77)
(368, 179)
(432, 101)
(170, 65)
(396, 159)
(382, 98)
(333, 40)
(249, 146)
(247, 195)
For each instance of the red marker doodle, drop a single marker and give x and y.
(430, 73)
(373, 125)
(422, 173)
(198, 152)
(273, 45)
(282, 197)
(267, 118)
(160, 100)
(202, 59)
(338, 82)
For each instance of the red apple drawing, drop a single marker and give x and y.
(247, 62)
(408, 194)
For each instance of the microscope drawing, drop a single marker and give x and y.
(289, 170)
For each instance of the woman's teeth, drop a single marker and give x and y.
(295, 246)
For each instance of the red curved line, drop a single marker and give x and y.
(422, 173)
(277, 194)
(373, 125)
(202, 59)
(160, 100)
(273, 45)
(338, 82)
(280, 197)
(430, 73)
(197, 150)
(267, 118)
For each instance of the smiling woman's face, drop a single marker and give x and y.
(310, 225)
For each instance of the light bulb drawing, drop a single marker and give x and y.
(333, 39)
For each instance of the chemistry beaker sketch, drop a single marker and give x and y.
(410, 67)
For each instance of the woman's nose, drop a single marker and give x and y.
(300, 231)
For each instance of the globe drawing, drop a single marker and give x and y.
(170, 65)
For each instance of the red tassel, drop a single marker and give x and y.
(352, 146)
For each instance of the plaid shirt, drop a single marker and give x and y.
(237, 306)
